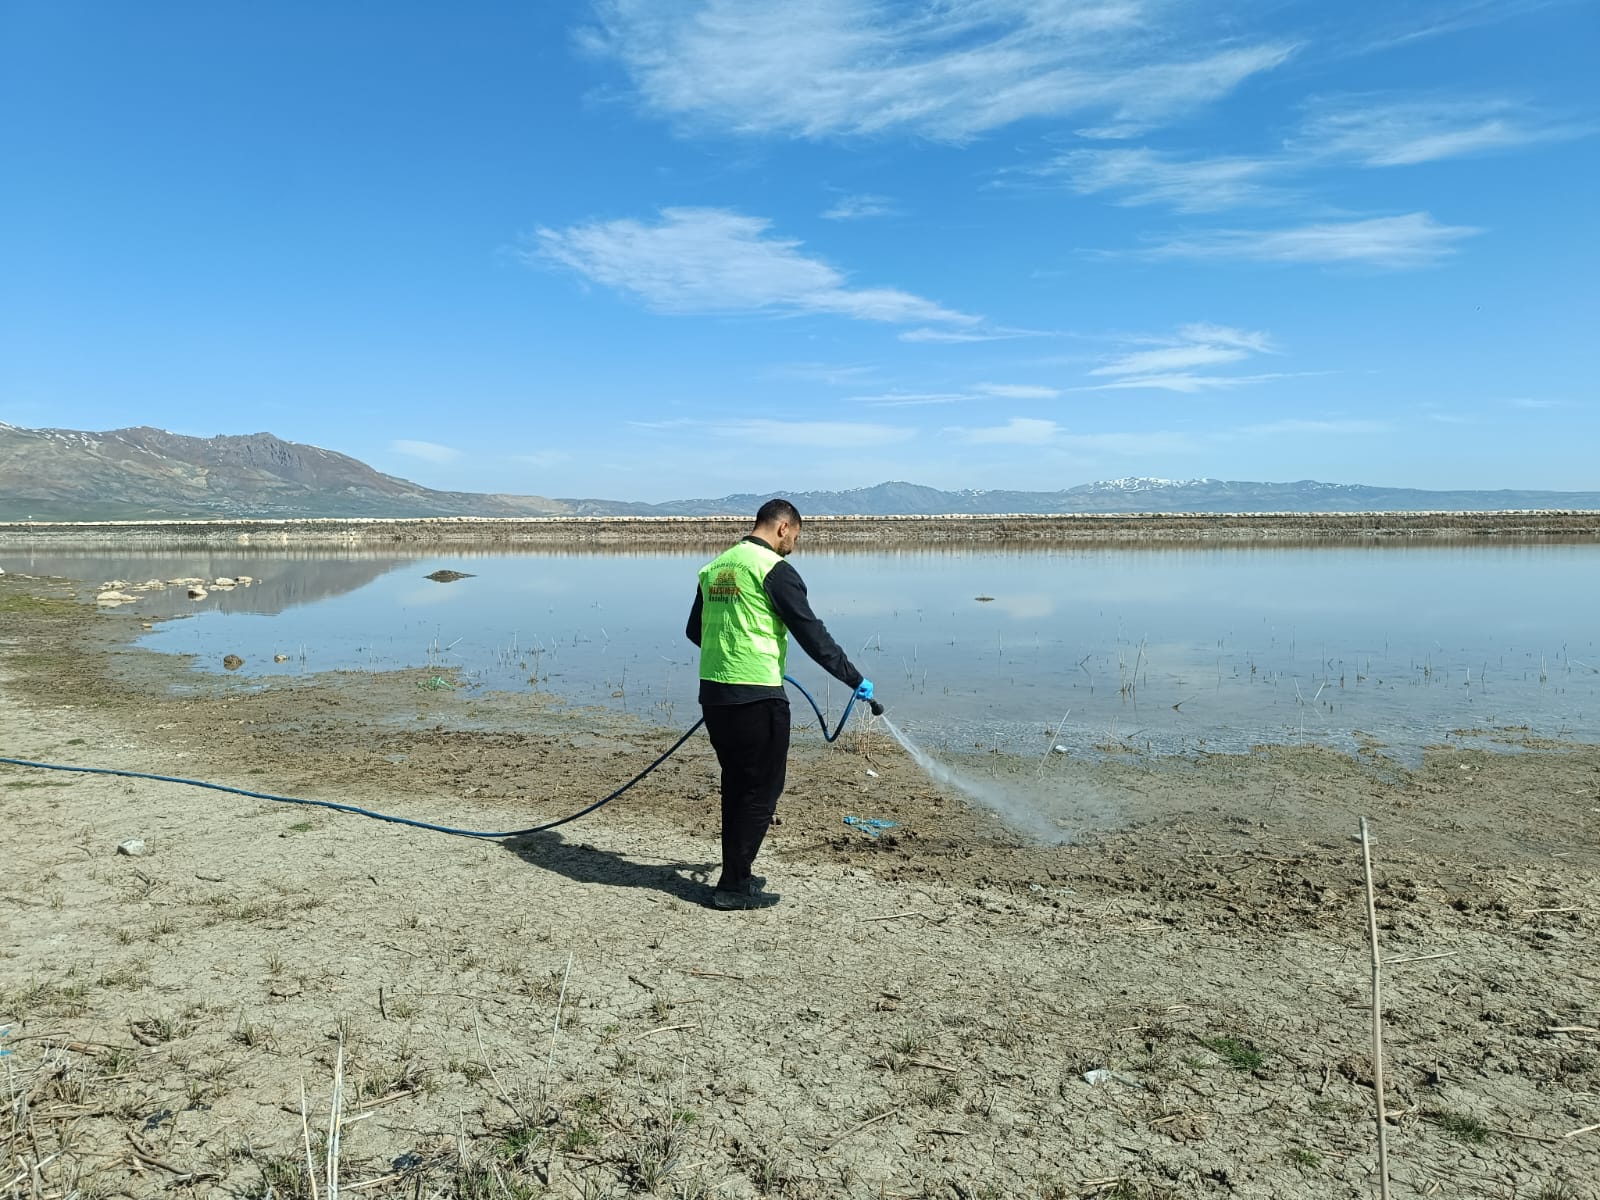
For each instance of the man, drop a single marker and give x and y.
(748, 602)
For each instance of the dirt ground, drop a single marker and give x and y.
(561, 1015)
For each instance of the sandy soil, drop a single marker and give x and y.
(561, 1015)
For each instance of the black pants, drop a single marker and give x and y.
(752, 745)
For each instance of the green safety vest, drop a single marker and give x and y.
(742, 638)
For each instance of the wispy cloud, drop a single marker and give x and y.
(427, 451)
(960, 336)
(831, 373)
(1188, 383)
(1368, 131)
(1170, 365)
(820, 68)
(1274, 428)
(1529, 402)
(1144, 176)
(1019, 431)
(826, 435)
(1378, 131)
(543, 458)
(1171, 358)
(909, 399)
(1018, 391)
(1393, 243)
(712, 260)
(858, 208)
(1225, 335)
(1419, 22)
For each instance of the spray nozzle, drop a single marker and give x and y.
(877, 709)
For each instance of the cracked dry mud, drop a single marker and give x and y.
(915, 1019)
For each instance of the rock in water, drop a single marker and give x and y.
(448, 576)
(233, 662)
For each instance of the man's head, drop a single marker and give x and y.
(778, 525)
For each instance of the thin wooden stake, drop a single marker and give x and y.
(555, 1027)
(1377, 1018)
(305, 1130)
(1054, 738)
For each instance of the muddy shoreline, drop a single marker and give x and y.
(1014, 530)
(560, 1016)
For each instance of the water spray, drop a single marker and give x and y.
(1015, 809)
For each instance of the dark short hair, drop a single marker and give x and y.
(776, 510)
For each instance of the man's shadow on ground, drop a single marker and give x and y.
(583, 863)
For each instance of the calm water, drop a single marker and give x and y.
(1095, 650)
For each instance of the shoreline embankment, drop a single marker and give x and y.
(1014, 529)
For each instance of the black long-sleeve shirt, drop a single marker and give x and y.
(787, 591)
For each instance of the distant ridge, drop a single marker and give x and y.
(1127, 495)
(144, 473)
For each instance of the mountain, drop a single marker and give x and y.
(1130, 495)
(146, 474)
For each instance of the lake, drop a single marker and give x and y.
(1097, 651)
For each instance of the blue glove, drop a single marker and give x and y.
(864, 692)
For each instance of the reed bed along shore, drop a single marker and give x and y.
(1017, 529)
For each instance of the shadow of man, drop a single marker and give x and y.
(584, 863)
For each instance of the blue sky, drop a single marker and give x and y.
(646, 250)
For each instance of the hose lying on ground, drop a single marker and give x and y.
(377, 816)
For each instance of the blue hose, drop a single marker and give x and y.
(377, 816)
(843, 717)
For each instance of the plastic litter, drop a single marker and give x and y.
(871, 826)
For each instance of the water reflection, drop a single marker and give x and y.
(1099, 650)
(279, 580)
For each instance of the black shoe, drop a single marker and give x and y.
(750, 895)
(755, 881)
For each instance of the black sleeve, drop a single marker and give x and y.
(692, 629)
(788, 594)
